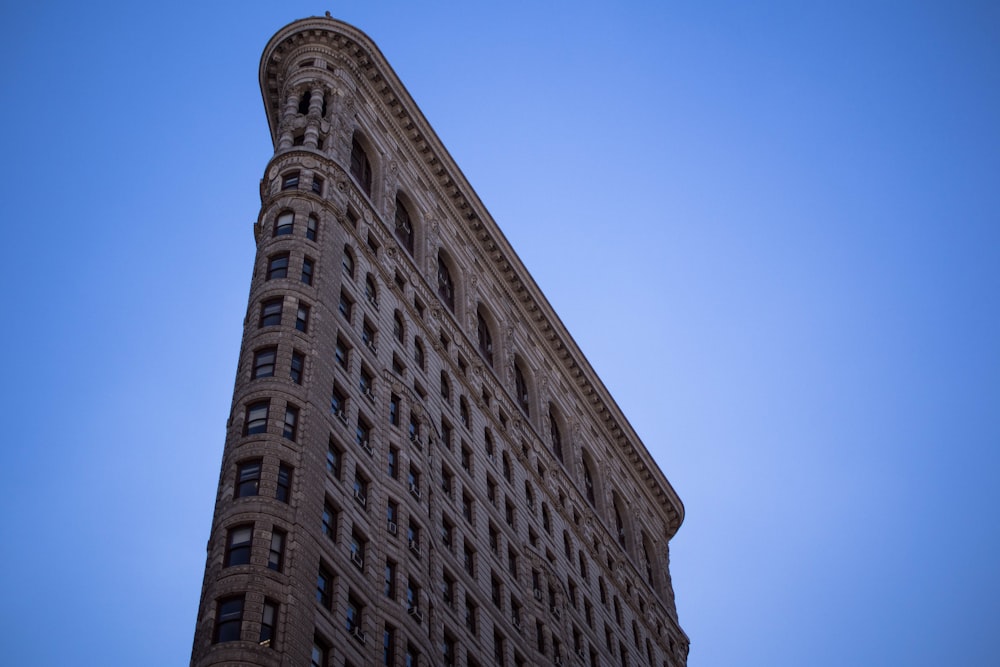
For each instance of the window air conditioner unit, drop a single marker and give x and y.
(413, 611)
(415, 491)
(357, 559)
(367, 447)
(371, 346)
(558, 661)
(415, 547)
(359, 634)
(373, 301)
(579, 653)
(342, 416)
(360, 498)
(391, 527)
(538, 594)
(555, 612)
(369, 393)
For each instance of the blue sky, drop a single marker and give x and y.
(773, 228)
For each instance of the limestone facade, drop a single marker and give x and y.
(420, 466)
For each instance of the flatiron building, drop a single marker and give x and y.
(420, 465)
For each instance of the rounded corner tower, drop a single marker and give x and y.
(420, 466)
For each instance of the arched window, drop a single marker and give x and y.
(397, 326)
(361, 168)
(371, 291)
(588, 484)
(445, 387)
(418, 353)
(521, 389)
(485, 337)
(619, 525)
(404, 227)
(446, 288)
(554, 434)
(463, 412)
(648, 561)
(488, 443)
(348, 261)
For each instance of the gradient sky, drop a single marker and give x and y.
(772, 227)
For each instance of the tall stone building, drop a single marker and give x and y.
(420, 467)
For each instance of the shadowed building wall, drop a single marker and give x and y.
(420, 467)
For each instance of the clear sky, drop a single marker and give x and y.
(772, 227)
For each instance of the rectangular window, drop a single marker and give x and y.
(256, 418)
(263, 362)
(229, 619)
(357, 548)
(238, 543)
(389, 647)
(320, 656)
(391, 516)
(324, 587)
(495, 595)
(393, 467)
(469, 559)
(275, 558)
(290, 181)
(470, 614)
(340, 353)
(345, 305)
(362, 432)
(368, 336)
(467, 507)
(447, 588)
(307, 271)
(447, 480)
(268, 623)
(394, 410)
(389, 581)
(353, 615)
(413, 537)
(448, 651)
(334, 457)
(302, 317)
(290, 426)
(284, 223)
(284, 488)
(360, 489)
(447, 533)
(248, 478)
(412, 595)
(498, 648)
(270, 312)
(277, 266)
(317, 185)
(338, 404)
(297, 366)
(366, 384)
(329, 522)
(311, 228)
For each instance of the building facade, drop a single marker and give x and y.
(420, 466)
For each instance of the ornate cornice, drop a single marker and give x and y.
(349, 45)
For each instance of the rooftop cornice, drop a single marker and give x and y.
(369, 62)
